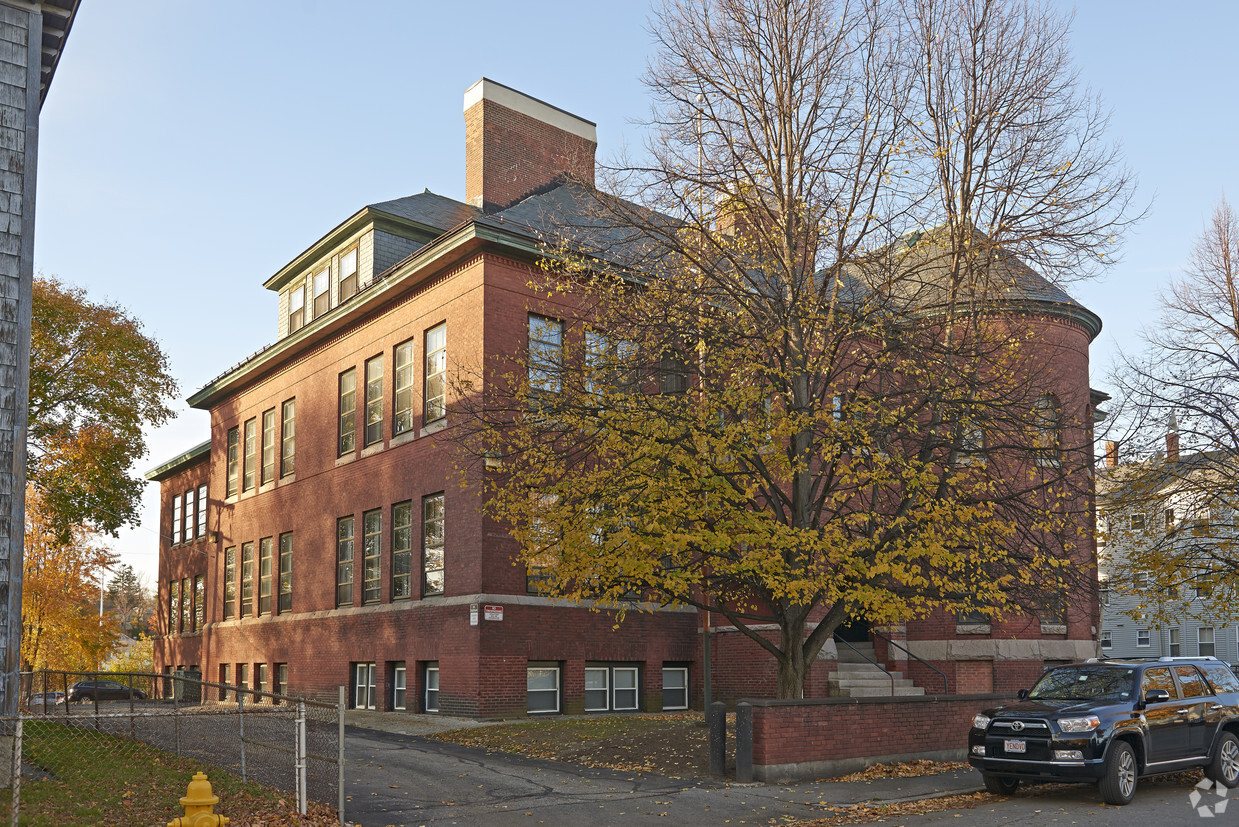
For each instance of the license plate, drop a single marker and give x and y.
(1014, 746)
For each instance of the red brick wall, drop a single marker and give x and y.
(836, 729)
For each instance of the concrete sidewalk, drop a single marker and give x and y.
(395, 776)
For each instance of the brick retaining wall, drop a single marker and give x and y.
(826, 737)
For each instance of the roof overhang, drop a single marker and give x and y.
(360, 221)
(57, 20)
(177, 464)
(442, 254)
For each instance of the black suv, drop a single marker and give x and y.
(1111, 722)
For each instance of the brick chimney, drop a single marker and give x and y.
(516, 146)
(1112, 455)
(1172, 446)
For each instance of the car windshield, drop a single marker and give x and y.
(1085, 683)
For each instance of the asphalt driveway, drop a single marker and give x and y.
(398, 779)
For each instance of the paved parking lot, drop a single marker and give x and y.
(396, 779)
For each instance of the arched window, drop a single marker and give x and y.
(1047, 420)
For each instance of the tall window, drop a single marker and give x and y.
(348, 411)
(348, 274)
(247, 580)
(233, 438)
(436, 373)
(230, 582)
(243, 676)
(296, 308)
(251, 454)
(190, 509)
(432, 544)
(372, 555)
(281, 679)
(260, 679)
(174, 606)
(322, 291)
(402, 551)
(672, 374)
(268, 447)
(402, 402)
(199, 603)
(1204, 640)
(344, 561)
(430, 684)
(363, 685)
(1048, 422)
(187, 606)
(265, 547)
(176, 520)
(675, 687)
(202, 508)
(288, 435)
(286, 572)
(225, 676)
(546, 354)
(398, 685)
(374, 400)
(1176, 648)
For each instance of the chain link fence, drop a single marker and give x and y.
(72, 722)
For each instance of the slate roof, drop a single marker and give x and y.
(437, 211)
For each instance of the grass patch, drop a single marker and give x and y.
(87, 777)
(676, 745)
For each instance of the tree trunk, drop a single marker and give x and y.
(792, 666)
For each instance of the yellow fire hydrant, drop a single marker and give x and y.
(199, 805)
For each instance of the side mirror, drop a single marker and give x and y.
(1156, 696)
(1022, 694)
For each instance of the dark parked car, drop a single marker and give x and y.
(84, 691)
(1113, 722)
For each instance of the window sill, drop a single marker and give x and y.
(287, 479)
(345, 460)
(973, 629)
(371, 450)
(402, 438)
(434, 427)
(1053, 628)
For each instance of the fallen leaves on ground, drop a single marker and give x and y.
(675, 745)
(906, 769)
(871, 813)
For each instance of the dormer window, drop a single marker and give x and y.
(348, 275)
(296, 308)
(322, 292)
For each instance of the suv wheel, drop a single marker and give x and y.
(1224, 768)
(1000, 785)
(1118, 785)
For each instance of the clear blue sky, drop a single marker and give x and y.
(190, 149)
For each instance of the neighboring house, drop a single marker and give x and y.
(1175, 621)
(320, 537)
(32, 37)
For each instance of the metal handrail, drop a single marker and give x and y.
(946, 686)
(869, 660)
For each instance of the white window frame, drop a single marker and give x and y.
(635, 689)
(399, 688)
(363, 681)
(683, 670)
(605, 689)
(1143, 633)
(1200, 640)
(530, 671)
(1107, 640)
(1174, 643)
(430, 687)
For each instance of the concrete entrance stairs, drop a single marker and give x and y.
(856, 677)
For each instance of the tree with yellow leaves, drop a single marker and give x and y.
(61, 624)
(819, 372)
